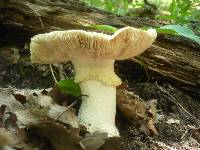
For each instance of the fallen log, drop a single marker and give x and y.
(172, 59)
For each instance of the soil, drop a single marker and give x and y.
(178, 135)
(178, 113)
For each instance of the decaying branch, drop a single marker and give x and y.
(176, 60)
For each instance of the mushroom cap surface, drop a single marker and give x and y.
(60, 46)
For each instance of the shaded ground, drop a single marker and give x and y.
(175, 125)
(178, 114)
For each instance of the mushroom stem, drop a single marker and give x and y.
(97, 111)
(93, 55)
(98, 81)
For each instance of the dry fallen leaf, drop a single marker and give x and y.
(45, 118)
(61, 137)
(58, 96)
(7, 98)
(94, 141)
(20, 98)
(39, 108)
(28, 116)
(69, 117)
(173, 121)
(5, 137)
(101, 141)
(135, 109)
(18, 141)
(21, 140)
(151, 111)
(2, 110)
(112, 143)
(195, 133)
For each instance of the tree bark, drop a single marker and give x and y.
(173, 59)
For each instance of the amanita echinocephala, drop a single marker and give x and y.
(93, 56)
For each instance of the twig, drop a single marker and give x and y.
(186, 131)
(53, 74)
(37, 15)
(140, 61)
(60, 69)
(71, 105)
(40, 19)
(173, 99)
(68, 107)
(163, 145)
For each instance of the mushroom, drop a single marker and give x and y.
(93, 55)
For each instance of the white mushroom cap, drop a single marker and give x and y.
(61, 46)
(132, 41)
(93, 56)
(92, 53)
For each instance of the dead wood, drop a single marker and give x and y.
(173, 59)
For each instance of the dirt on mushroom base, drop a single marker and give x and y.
(175, 129)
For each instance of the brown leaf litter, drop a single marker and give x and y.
(134, 109)
(5, 137)
(37, 114)
(59, 136)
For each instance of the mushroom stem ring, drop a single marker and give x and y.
(98, 109)
(93, 55)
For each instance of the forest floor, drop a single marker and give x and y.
(177, 119)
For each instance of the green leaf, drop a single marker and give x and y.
(160, 30)
(183, 31)
(106, 28)
(109, 5)
(166, 31)
(70, 87)
(172, 7)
